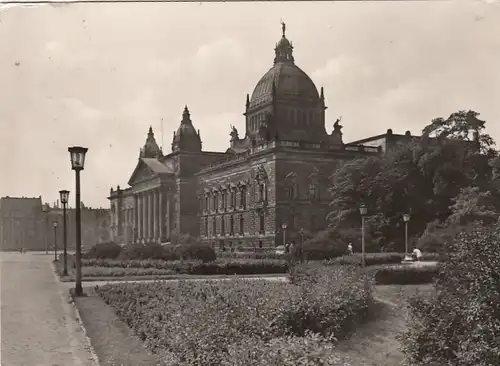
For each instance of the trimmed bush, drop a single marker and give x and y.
(196, 251)
(145, 251)
(103, 251)
(405, 275)
(210, 323)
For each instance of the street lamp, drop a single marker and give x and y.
(406, 218)
(55, 224)
(45, 210)
(363, 210)
(77, 154)
(301, 244)
(284, 226)
(64, 200)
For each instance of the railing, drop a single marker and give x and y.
(230, 159)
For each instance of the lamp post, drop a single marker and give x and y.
(284, 226)
(45, 210)
(363, 210)
(301, 244)
(64, 200)
(77, 154)
(55, 224)
(406, 218)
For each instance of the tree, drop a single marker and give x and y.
(463, 126)
(472, 204)
(460, 325)
(421, 177)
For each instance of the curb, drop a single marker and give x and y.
(88, 344)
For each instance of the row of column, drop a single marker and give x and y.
(148, 218)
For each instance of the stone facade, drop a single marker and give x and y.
(277, 174)
(23, 224)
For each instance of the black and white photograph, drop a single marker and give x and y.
(240, 183)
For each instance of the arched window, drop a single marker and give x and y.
(242, 225)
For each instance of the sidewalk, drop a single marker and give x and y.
(38, 325)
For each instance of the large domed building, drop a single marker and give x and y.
(271, 183)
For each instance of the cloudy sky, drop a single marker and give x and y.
(98, 75)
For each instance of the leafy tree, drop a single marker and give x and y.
(422, 177)
(463, 126)
(460, 325)
(472, 204)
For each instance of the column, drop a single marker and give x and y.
(161, 218)
(150, 208)
(167, 221)
(155, 215)
(135, 226)
(144, 215)
(139, 217)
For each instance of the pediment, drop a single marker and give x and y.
(141, 172)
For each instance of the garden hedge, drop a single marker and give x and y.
(218, 323)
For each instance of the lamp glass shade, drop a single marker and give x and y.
(64, 196)
(406, 217)
(55, 224)
(77, 154)
(284, 226)
(363, 210)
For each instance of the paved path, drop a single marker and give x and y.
(38, 325)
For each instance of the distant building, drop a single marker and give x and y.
(277, 173)
(24, 224)
(20, 224)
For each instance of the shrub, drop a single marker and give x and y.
(405, 275)
(145, 251)
(211, 323)
(196, 251)
(310, 350)
(108, 250)
(460, 325)
(371, 259)
(325, 244)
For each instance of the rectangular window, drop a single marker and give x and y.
(313, 191)
(261, 223)
(242, 225)
(222, 225)
(206, 226)
(231, 225)
(214, 227)
(207, 203)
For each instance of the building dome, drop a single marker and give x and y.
(290, 82)
(186, 138)
(151, 148)
(288, 94)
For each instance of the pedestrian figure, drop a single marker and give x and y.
(417, 254)
(349, 249)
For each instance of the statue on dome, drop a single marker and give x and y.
(283, 26)
(234, 134)
(336, 126)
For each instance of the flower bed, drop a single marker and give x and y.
(218, 323)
